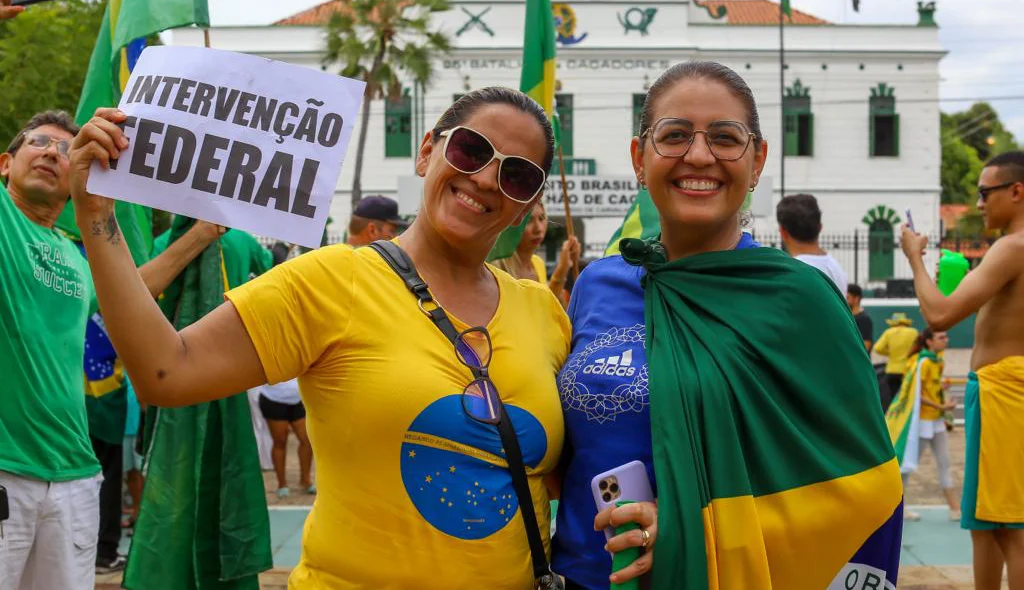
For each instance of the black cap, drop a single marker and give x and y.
(379, 208)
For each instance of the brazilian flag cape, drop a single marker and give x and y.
(203, 523)
(773, 463)
(904, 414)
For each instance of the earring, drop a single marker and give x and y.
(640, 179)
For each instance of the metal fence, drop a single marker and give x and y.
(877, 265)
(880, 264)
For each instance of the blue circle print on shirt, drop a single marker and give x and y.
(454, 470)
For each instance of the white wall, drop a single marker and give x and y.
(846, 180)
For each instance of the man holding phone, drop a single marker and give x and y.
(993, 480)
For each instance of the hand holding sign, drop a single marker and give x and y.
(99, 141)
(233, 139)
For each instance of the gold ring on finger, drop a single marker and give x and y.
(647, 538)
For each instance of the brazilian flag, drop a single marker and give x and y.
(773, 462)
(538, 82)
(122, 37)
(641, 222)
(203, 524)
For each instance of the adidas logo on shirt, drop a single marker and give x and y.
(619, 366)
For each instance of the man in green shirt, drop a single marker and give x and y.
(47, 464)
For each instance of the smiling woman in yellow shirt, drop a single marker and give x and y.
(413, 492)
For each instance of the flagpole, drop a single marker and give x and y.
(206, 37)
(568, 214)
(782, 101)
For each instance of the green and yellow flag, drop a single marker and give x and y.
(203, 524)
(641, 222)
(121, 39)
(538, 77)
(538, 82)
(773, 462)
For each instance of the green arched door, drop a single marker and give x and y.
(881, 244)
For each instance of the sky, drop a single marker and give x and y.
(985, 40)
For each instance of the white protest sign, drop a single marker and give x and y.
(233, 139)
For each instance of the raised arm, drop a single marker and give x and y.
(1002, 263)
(211, 359)
(158, 273)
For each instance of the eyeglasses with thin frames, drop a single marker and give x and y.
(480, 399)
(43, 142)
(672, 138)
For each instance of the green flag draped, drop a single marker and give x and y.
(538, 82)
(203, 523)
(769, 446)
(125, 26)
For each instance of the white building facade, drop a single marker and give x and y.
(861, 106)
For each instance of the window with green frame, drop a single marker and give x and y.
(798, 121)
(884, 122)
(398, 127)
(563, 106)
(638, 110)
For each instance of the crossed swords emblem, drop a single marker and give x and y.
(474, 20)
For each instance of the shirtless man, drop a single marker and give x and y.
(993, 479)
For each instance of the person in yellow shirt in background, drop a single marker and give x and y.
(924, 393)
(524, 263)
(896, 344)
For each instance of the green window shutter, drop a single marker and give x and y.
(871, 135)
(563, 104)
(791, 134)
(638, 109)
(398, 127)
(881, 246)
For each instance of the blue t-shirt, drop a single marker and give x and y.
(603, 386)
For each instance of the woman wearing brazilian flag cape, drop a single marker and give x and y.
(917, 417)
(738, 377)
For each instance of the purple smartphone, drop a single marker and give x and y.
(625, 482)
(910, 221)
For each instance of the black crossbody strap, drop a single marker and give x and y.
(403, 266)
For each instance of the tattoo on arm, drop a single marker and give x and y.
(109, 229)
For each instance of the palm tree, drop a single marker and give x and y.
(374, 40)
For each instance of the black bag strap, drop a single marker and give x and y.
(403, 266)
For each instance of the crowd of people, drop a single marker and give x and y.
(448, 400)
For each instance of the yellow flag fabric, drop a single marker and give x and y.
(1001, 453)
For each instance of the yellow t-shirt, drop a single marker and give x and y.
(931, 388)
(896, 343)
(412, 493)
(539, 268)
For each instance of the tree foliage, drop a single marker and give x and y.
(44, 54)
(969, 138)
(386, 43)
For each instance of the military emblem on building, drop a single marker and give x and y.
(565, 24)
(637, 19)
